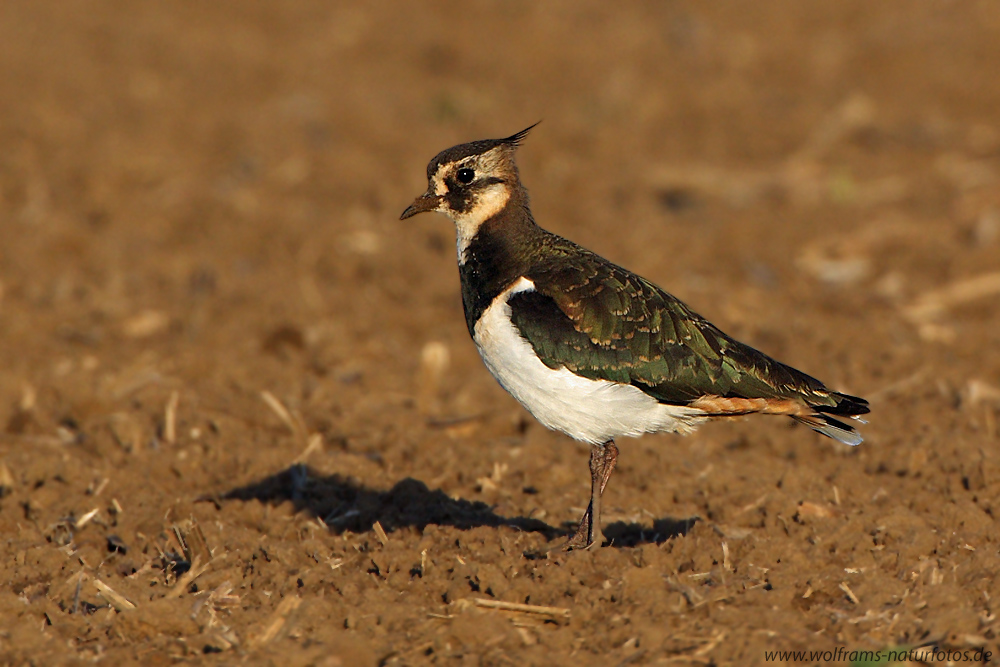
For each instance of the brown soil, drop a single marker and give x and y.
(240, 416)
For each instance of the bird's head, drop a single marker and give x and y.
(471, 183)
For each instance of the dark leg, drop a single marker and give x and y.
(602, 464)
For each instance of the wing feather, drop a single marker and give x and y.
(602, 322)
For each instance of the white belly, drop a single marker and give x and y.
(593, 411)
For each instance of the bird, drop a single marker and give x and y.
(589, 348)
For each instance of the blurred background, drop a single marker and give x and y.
(205, 291)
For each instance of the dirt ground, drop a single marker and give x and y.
(241, 420)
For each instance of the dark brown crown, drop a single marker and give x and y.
(462, 151)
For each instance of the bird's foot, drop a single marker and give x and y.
(587, 536)
(602, 464)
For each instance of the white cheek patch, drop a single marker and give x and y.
(487, 204)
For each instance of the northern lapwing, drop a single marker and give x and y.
(589, 348)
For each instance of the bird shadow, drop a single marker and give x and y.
(344, 504)
(621, 534)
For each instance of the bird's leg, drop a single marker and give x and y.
(602, 464)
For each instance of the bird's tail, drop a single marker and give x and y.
(820, 420)
(806, 409)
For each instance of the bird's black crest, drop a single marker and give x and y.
(515, 139)
(475, 148)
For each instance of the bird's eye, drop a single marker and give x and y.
(465, 175)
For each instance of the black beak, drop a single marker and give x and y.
(425, 202)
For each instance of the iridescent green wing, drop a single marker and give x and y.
(603, 322)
